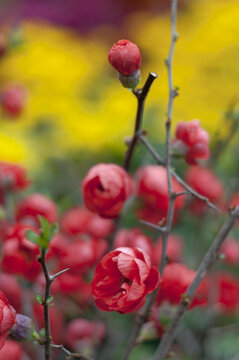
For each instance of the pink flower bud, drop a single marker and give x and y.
(125, 57)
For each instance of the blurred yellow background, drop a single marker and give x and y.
(75, 99)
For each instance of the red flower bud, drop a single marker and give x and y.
(106, 187)
(122, 280)
(125, 57)
(194, 141)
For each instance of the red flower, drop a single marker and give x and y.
(7, 318)
(227, 290)
(106, 187)
(13, 177)
(204, 181)
(153, 190)
(19, 254)
(192, 140)
(11, 351)
(14, 99)
(81, 221)
(36, 204)
(176, 279)
(122, 280)
(125, 57)
(82, 333)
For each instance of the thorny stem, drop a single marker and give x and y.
(140, 319)
(206, 263)
(141, 95)
(160, 161)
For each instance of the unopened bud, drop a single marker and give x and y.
(23, 328)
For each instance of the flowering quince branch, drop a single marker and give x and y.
(208, 260)
(172, 95)
(160, 161)
(141, 95)
(69, 354)
(45, 304)
(140, 319)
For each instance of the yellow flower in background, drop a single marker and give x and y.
(75, 99)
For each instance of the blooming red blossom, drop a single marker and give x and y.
(11, 351)
(81, 221)
(106, 187)
(133, 238)
(13, 99)
(192, 141)
(81, 333)
(19, 254)
(176, 279)
(36, 204)
(206, 183)
(122, 280)
(7, 318)
(153, 190)
(125, 57)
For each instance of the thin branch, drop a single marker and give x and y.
(141, 95)
(160, 161)
(153, 226)
(140, 319)
(52, 277)
(206, 263)
(45, 304)
(69, 354)
(172, 94)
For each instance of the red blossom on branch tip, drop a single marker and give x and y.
(125, 57)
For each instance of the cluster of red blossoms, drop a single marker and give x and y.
(191, 141)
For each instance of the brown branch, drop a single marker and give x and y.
(160, 161)
(69, 354)
(206, 263)
(141, 95)
(172, 94)
(45, 304)
(141, 318)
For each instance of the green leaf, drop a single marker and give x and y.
(33, 237)
(49, 299)
(39, 299)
